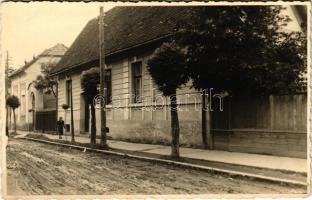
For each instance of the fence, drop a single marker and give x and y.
(268, 124)
(46, 121)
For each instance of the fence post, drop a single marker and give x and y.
(271, 99)
(44, 121)
(229, 114)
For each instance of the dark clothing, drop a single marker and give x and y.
(60, 127)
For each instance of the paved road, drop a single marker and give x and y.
(36, 168)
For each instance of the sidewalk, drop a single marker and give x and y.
(245, 159)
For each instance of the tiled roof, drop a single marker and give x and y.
(57, 50)
(125, 28)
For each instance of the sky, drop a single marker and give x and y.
(30, 28)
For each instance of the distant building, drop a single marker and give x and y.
(21, 86)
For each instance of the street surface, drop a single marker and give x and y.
(41, 169)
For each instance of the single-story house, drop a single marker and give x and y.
(138, 112)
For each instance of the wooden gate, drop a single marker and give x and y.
(46, 121)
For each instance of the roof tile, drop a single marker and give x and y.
(125, 27)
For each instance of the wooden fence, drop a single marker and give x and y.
(285, 112)
(269, 124)
(45, 121)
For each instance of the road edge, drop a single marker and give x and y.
(231, 173)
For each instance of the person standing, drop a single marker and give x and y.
(60, 127)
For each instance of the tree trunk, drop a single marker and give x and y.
(93, 126)
(14, 121)
(207, 139)
(204, 125)
(175, 130)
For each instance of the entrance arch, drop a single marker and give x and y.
(32, 110)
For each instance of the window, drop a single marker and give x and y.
(108, 83)
(23, 105)
(68, 89)
(15, 90)
(23, 98)
(136, 81)
(32, 101)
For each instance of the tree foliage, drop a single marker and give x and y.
(243, 49)
(89, 81)
(13, 102)
(45, 83)
(168, 68)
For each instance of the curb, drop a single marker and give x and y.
(231, 173)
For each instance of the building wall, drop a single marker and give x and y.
(65, 114)
(22, 88)
(149, 120)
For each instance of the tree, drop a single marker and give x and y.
(168, 68)
(45, 83)
(13, 102)
(243, 50)
(89, 80)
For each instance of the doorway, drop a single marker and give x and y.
(32, 112)
(84, 114)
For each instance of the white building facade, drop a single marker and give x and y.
(32, 100)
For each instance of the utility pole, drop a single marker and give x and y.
(7, 93)
(102, 81)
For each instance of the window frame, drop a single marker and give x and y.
(68, 87)
(22, 94)
(15, 90)
(109, 90)
(136, 98)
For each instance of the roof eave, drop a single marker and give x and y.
(113, 53)
(27, 65)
